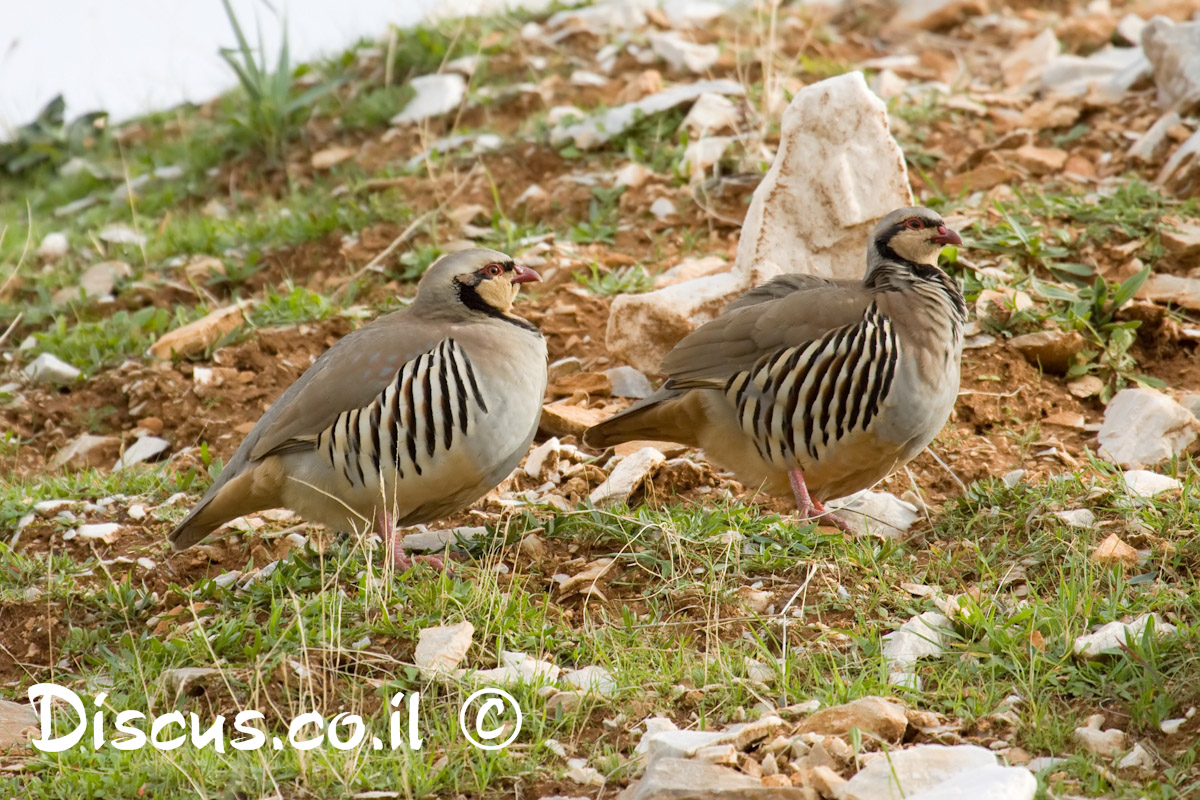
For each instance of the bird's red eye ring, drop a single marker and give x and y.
(914, 224)
(493, 269)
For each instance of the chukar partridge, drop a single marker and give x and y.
(821, 387)
(410, 418)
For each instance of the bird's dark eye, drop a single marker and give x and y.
(914, 224)
(493, 269)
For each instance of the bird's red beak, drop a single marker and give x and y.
(946, 236)
(523, 274)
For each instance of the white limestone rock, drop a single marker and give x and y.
(711, 113)
(876, 513)
(426, 541)
(1143, 483)
(435, 95)
(442, 648)
(1113, 637)
(925, 635)
(596, 130)
(1173, 50)
(837, 172)
(1106, 742)
(54, 246)
(1143, 427)
(683, 55)
(49, 368)
(988, 783)
(627, 476)
(905, 773)
(141, 450)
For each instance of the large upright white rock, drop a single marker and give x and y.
(1144, 427)
(837, 172)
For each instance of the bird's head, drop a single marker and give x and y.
(913, 234)
(482, 280)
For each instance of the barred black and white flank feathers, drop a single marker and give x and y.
(406, 420)
(818, 387)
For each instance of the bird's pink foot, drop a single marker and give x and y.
(811, 509)
(403, 562)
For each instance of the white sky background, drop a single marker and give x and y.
(129, 57)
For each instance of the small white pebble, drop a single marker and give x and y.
(137, 511)
(145, 563)
(1171, 726)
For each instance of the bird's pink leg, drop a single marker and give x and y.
(386, 528)
(811, 509)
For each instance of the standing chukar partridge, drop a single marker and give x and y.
(823, 387)
(408, 419)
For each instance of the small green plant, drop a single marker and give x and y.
(622, 280)
(49, 139)
(273, 106)
(298, 305)
(602, 221)
(94, 344)
(1092, 310)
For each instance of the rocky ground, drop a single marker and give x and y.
(1017, 615)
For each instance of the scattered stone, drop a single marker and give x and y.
(879, 514)
(1040, 160)
(1145, 148)
(441, 649)
(579, 772)
(98, 280)
(121, 234)
(690, 269)
(1143, 427)
(702, 154)
(1085, 387)
(629, 382)
(925, 635)
(48, 508)
(633, 175)
(535, 462)
(1138, 758)
(837, 172)
(1112, 638)
(663, 208)
(1173, 289)
(711, 113)
(933, 15)
(18, 724)
(686, 779)
(331, 156)
(560, 419)
(595, 131)
(189, 681)
(642, 328)
(1143, 483)
(436, 541)
(1105, 743)
(1077, 517)
(1025, 64)
(53, 247)
(564, 367)
(592, 679)
(143, 449)
(104, 531)
(516, 668)
(1172, 726)
(195, 337)
(1174, 52)
(1110, 72)
(49, 368)
(1114, 552)
(988, 783)
(683, 55)
(435, 95)
(872, 715)
(905, 773)
(627, 476)
(1044, 763)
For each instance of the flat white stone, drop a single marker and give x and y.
(711, 113)
(905, 773)
(142, 449)
(925, 635)
(837, 172)
(592, 678)
(876, 513)
(1173, 50)
(1077, 518)
(702, 154)
(988, 783)
(1143, 427)
(1137, 758)
(535, 462)
(684, 55)
(442, 648)
(629, 382)
(436, 541)
(627, 476)
(515, 668)
(54, 246)
(1144, 483)
(595, 131)
(1109, 638)
(104, 531)
(1106, 742)
(435, 95)
(662, 208)
(49, 368)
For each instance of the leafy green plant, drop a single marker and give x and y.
(1092, 310)
(622, 280)
(49, 139)
(273, 106)
(94, 344)
(298, 305)
(601, 224)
